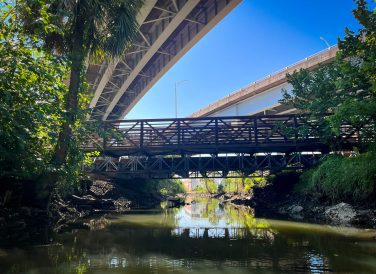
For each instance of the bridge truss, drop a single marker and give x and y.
(197, 166)
(211, 146)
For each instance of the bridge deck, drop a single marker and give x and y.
(213, 135)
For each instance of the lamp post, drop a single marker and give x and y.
(326, 42)
(176, 96)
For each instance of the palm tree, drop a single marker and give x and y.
(78, 30)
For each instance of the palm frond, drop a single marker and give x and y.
(121, 26)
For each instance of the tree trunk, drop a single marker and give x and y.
(71, 106)
(207, 187)
(61, 150)
(71, 103)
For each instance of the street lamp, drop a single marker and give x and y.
(176, 96)
(326, 42)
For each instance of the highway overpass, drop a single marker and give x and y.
(168, 29)
(261, 97)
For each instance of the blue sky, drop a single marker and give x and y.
(257, 38)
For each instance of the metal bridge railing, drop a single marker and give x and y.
(232, 134)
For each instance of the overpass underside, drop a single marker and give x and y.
(212, 146)
(168, 29)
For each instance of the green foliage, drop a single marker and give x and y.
(33, 91)
(170, 187)
(259, 181)
(210, 185)
(360, 49)
(342, 178)
(345, 88)
(245, 184)
(81, 269)
(102, 27)
(31, 100)
(314, 92)
(75, 30)
(70, 173)
(221, 188)
(164, 187)
(232, 185)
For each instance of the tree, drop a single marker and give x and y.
(345, 88)
(357, 60)
(78, 30)
(31, 100)
(210, 185)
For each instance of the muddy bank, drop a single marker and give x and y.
(280, 200)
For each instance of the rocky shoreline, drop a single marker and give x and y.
(275, 201)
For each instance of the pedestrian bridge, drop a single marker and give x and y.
(211, 146)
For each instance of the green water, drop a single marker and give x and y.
(203, 237)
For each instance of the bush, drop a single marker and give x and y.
(169, 186)
(342, 178)
(153, 186)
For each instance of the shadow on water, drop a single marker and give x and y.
(204, 236)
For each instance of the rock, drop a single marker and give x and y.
(318, 209)
(341, 213)
(122, 204)
(295, 209)
(97, 224)
(101, 188)
(91, 201)
(84, 200)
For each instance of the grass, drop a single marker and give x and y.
(341, 178)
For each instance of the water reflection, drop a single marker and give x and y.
(209, 218)
(204, 236)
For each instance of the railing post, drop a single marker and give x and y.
(216, 133)
(249, 131)
(296, 128)
(178, 128)
(142, 135)
(255, 130)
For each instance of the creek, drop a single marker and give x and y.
(204, 236)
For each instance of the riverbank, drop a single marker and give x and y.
(102, 196)
(281, 200)
(21, 221)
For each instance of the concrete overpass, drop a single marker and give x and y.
(261, 97)
(168, 29)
